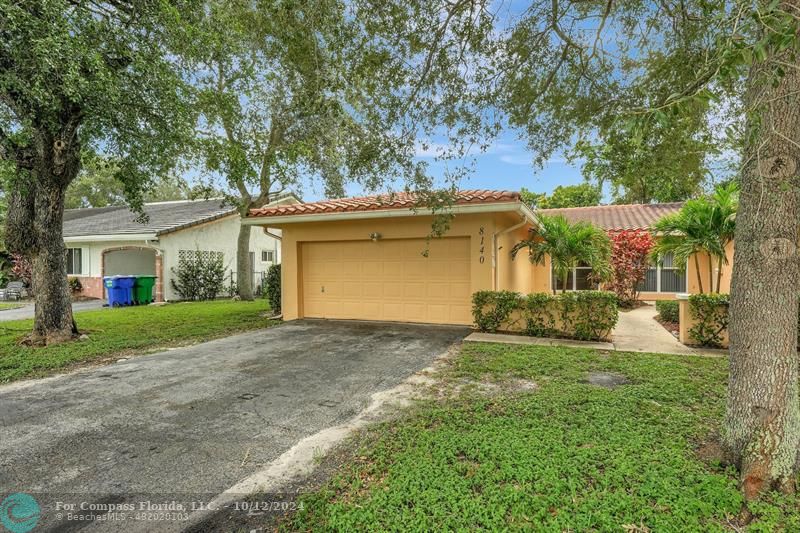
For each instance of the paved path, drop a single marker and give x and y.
(637, 331)
(192, 422)
(27, 310)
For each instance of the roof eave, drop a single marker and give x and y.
(495, 207)
(112, 237)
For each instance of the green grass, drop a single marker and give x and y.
(126, 331)
(5, 306)
(568, 456)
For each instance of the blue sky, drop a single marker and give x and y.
(505, 165)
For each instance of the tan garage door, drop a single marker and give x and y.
(388, 280)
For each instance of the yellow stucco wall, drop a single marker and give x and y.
(687, 322)
(480, 229)
(725, 282)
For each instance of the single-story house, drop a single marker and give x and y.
(109, 241)
(371, 258)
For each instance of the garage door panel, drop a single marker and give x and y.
(392, 270)
(393, 290)
(372, 269)
(353, 289)
(459, 291)
(388, 280)
(414, 290)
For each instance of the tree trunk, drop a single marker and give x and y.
(720, 263)
(34, 226)
(762, 420)
(697, 271)
(53, 320)
(244, 270)
(710, 272)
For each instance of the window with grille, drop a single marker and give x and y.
(74, 261)
(578, 279)
(664, 277)
(268, 256)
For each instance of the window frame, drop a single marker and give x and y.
(659, 268)
(574, 273)
(270, 252)
(69, 259)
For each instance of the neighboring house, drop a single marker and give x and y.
(109, 241)
(370, 258)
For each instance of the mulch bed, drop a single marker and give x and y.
(672, 327)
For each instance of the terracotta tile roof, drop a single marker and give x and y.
(617, 217)
(398, 200)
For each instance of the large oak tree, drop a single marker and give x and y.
(643, 78)
(79, 76)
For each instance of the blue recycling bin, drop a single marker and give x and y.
(114, 292)
(119, 289)
(126, 284)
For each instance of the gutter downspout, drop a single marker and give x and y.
(496, 277)
(274, 236)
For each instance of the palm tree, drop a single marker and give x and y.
(702, 226)
(568, 245)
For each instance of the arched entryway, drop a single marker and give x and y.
(135, 261)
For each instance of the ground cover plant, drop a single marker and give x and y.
(559, 454)
(127, 331)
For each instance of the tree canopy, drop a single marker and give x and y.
(581, 195)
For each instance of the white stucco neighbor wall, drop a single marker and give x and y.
(92, 252)
(218, 235)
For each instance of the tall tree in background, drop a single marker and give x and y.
(80, 75)
(659, 163)
(97, 186)
(316, 89)
(581, 195)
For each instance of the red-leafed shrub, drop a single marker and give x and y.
(630, 251)
(21, 269)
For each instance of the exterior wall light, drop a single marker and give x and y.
(374, 236)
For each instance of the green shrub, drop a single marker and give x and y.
(200, 275)
(590, 315)
(584, 315)
(272, 289)
(668, 310)
(539, 315)
(75, 285)
(710, 312)
(493, 308)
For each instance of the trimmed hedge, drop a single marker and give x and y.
(710, 311)
(272, 289)
(668, 310)
(584, 315)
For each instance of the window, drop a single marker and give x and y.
(664, 277)
(74, 263)
(578, 279)
(268, 256)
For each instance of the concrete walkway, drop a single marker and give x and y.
(26, 311)
(638, 331)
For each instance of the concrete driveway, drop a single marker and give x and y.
(193, 421)
(27, 310)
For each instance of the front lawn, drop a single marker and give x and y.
(113, 333)
(517, 439)
(4, 306)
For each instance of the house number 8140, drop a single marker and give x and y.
(481, 232)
